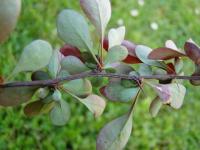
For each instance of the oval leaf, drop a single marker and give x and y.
(60, 113)
(34, 57)
(115, 54)
(9, 12)
(95, 104)
(131, 58)
(164, 53)
(142, 53)
(98, 12)
(73, 29)
(116, 92)
(155, 106)
(116, 36)
(68, 50)
(54, 64)
(80, 87)
(73, 65)
(33, 108)
(172, 94)
(115, 135)
(193, 51)
(14, 96)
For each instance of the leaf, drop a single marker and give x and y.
(193, 51)
(98, 12)
(73, 29)
(131, 58)
(42, 93)
(115, 54)
(145, 70)
(196, 73)
(39, 75)
(9, 13)
(94, 103)
(54, 64)
(79, 87)
(172, 94)
(178, 64)
(60, 113)
(116, 36)
(68, 50)
(116, 92)
(142, 53)
(14, 96)
(115, 135)
(33, 108)
(168, 52)
(35, 56)
(37, 108)
(73, 65)
(155, 106)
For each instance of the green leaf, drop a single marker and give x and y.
(98, 12)
(116, 92)
(57, 96)
(73, 29)
(60, 113)
(155, 106)
(54, 64)
(142, 53)
(116, 36)
(115, 55)
(145, 70)
(14, 96)
(42, 93)
(172, 94)
(73, 65)
(79, 87)
(94, 103)
(115, 135)
(9, 12)
(40, 75)
(34, 57)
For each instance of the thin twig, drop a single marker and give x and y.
(44, 83)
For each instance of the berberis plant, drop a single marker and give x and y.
(80, 66)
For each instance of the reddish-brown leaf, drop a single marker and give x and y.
(165, 53)
(68, 50)
(193, 51)
(171, 68)
(102, 91)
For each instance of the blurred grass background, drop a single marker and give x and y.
(171, 130)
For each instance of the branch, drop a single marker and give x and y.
(54, 82)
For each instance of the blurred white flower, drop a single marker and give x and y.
(120, 22)
(141, 2)
(197, 11)
(134, 12)
(154, 26)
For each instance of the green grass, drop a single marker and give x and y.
(170, 130)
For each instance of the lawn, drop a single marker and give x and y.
(155, 22)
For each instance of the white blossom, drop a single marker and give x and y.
(120, 22)
(141, 2)
(197, 11)
(154, 26)
(134, 12)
